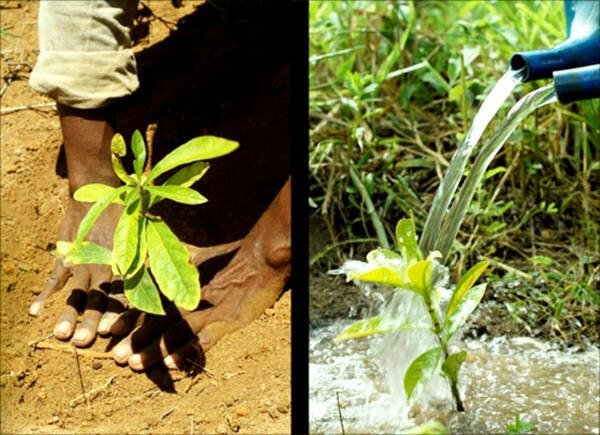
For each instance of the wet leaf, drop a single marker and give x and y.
(169, 260)
(452, 365)
(419, 274)
(93, 192)
(421, 370)
(127, 234)
(189, 175)
(95, 211)
(462, 310)
(142, 292)
(180, 194)
(464, 284)
(139, 152)
(406, 240)
(199, 148)
(381, 275)
(375, 325)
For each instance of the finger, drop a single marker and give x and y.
(116, 305)
(174, 338)
(188, 355)
(140, 337)
(125, 322)
(57, 280)
(77, 287)
(199, 255)
(95, 306)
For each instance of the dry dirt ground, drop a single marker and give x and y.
(246, 385)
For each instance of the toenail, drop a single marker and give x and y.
(104, 326)
(62, 328)
(120, 352)
(81, 335)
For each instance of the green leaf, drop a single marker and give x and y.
(118, 146)
(120, 170)
(181, 194)
(142, 293)
(199, 148)
(387, 64)
(463, 309)
(464, 284)
(376, 254)
(139, 152)
(169, 260)
(452, 365)
(373, 326)
(421, 370)
(93, 192)
(419, 274)
(381, 275)
(127, 234)
(95, 211)
(189, 175)
(142, 249)
(84, 253)
(406, 240)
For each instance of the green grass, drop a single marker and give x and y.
(393, 88)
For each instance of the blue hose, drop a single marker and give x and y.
(577, 84)
(582, 47)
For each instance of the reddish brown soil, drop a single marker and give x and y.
(246, 385)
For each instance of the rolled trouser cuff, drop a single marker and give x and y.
(85, 79)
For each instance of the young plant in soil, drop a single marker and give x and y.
(408, 270)
(143, 242)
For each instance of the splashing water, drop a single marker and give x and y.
(558, 391)
(490, 106)
(524, 107)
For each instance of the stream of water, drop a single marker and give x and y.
(490, 106)
(524, 107)
(555, 390)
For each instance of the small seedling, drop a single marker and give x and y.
(519, 426)
(406, 269)
(143, 242)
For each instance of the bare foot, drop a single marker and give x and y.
(238, 294)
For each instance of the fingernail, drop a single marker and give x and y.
(104, 326)
(121, 352)
(136, 361)
(35, 308)
(204, 338)
(81, 336)
(62, 330)
(170, 362)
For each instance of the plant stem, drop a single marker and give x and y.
(438, 329)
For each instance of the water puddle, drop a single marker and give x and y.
(555, 390)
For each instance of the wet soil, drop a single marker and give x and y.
(206, 85)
